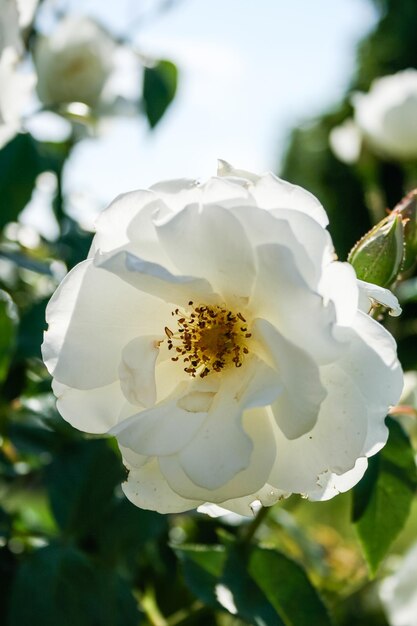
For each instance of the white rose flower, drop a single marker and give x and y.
(74, 63)
(16, 86)
(346, 142)
(387, 115)
(15, 91)
(9, 26)
(213, 333)
(398, 592)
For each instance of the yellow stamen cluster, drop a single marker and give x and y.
(208, 339)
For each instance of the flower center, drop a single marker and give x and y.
(208, 339)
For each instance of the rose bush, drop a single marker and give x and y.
(213, 332)
(387, 115)
(74, 63)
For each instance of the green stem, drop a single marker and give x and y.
(184, 614)
(151, 610)
(250, 530)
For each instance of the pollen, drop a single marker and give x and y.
(208, 339)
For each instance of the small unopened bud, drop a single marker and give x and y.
(377, 258)
(407, 209)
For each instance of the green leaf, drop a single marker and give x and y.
(81, 481)
(8, 566)
(202, 567)
(382, 499)
(8, 325)
(59, 585)
(159, 88)
(126, 529)
(20, 164)
(262, 587)
(31, 329)
(287, 588)
(249, 602)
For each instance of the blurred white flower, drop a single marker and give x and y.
(26, 9)
(16, 84)
(346, 142)
(213, 333)
(15, 90)
(387, 115)
(398, 592)
(15, 15)
(74, 63)
(9, 26)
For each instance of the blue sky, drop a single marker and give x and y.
(249, 72)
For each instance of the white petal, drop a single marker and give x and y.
(176, 194)
(215, 511)
(162, 430)
(271, 192)
(147, 488)
(282, 296)
(373, 364)
(155, 279)
(95, 410)
(210, 242)
(91, 317)
(248, 505)
(128, 222)
(339, 285)
(225, 169)
(297, 407)
(131, 459)
(258, 427)
(369, 294)
(333, 445)
(225, 193)
(262, 226)
(330, 485)
(311, 236)
(256, 384)
(137, 370)
(220, 449)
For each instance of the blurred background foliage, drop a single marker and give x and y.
(73, 550)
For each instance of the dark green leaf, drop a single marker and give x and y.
(20, 164)
(30, 436)
(159, 88)
(59, 585)
(8, 324)
(8, 566)
(249, 602)
(74, 244)
(202, 568)
(287, 588)
(31, 329)
(81, 482)
(382, 500)
(126, 529)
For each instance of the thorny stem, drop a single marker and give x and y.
(250, 530)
